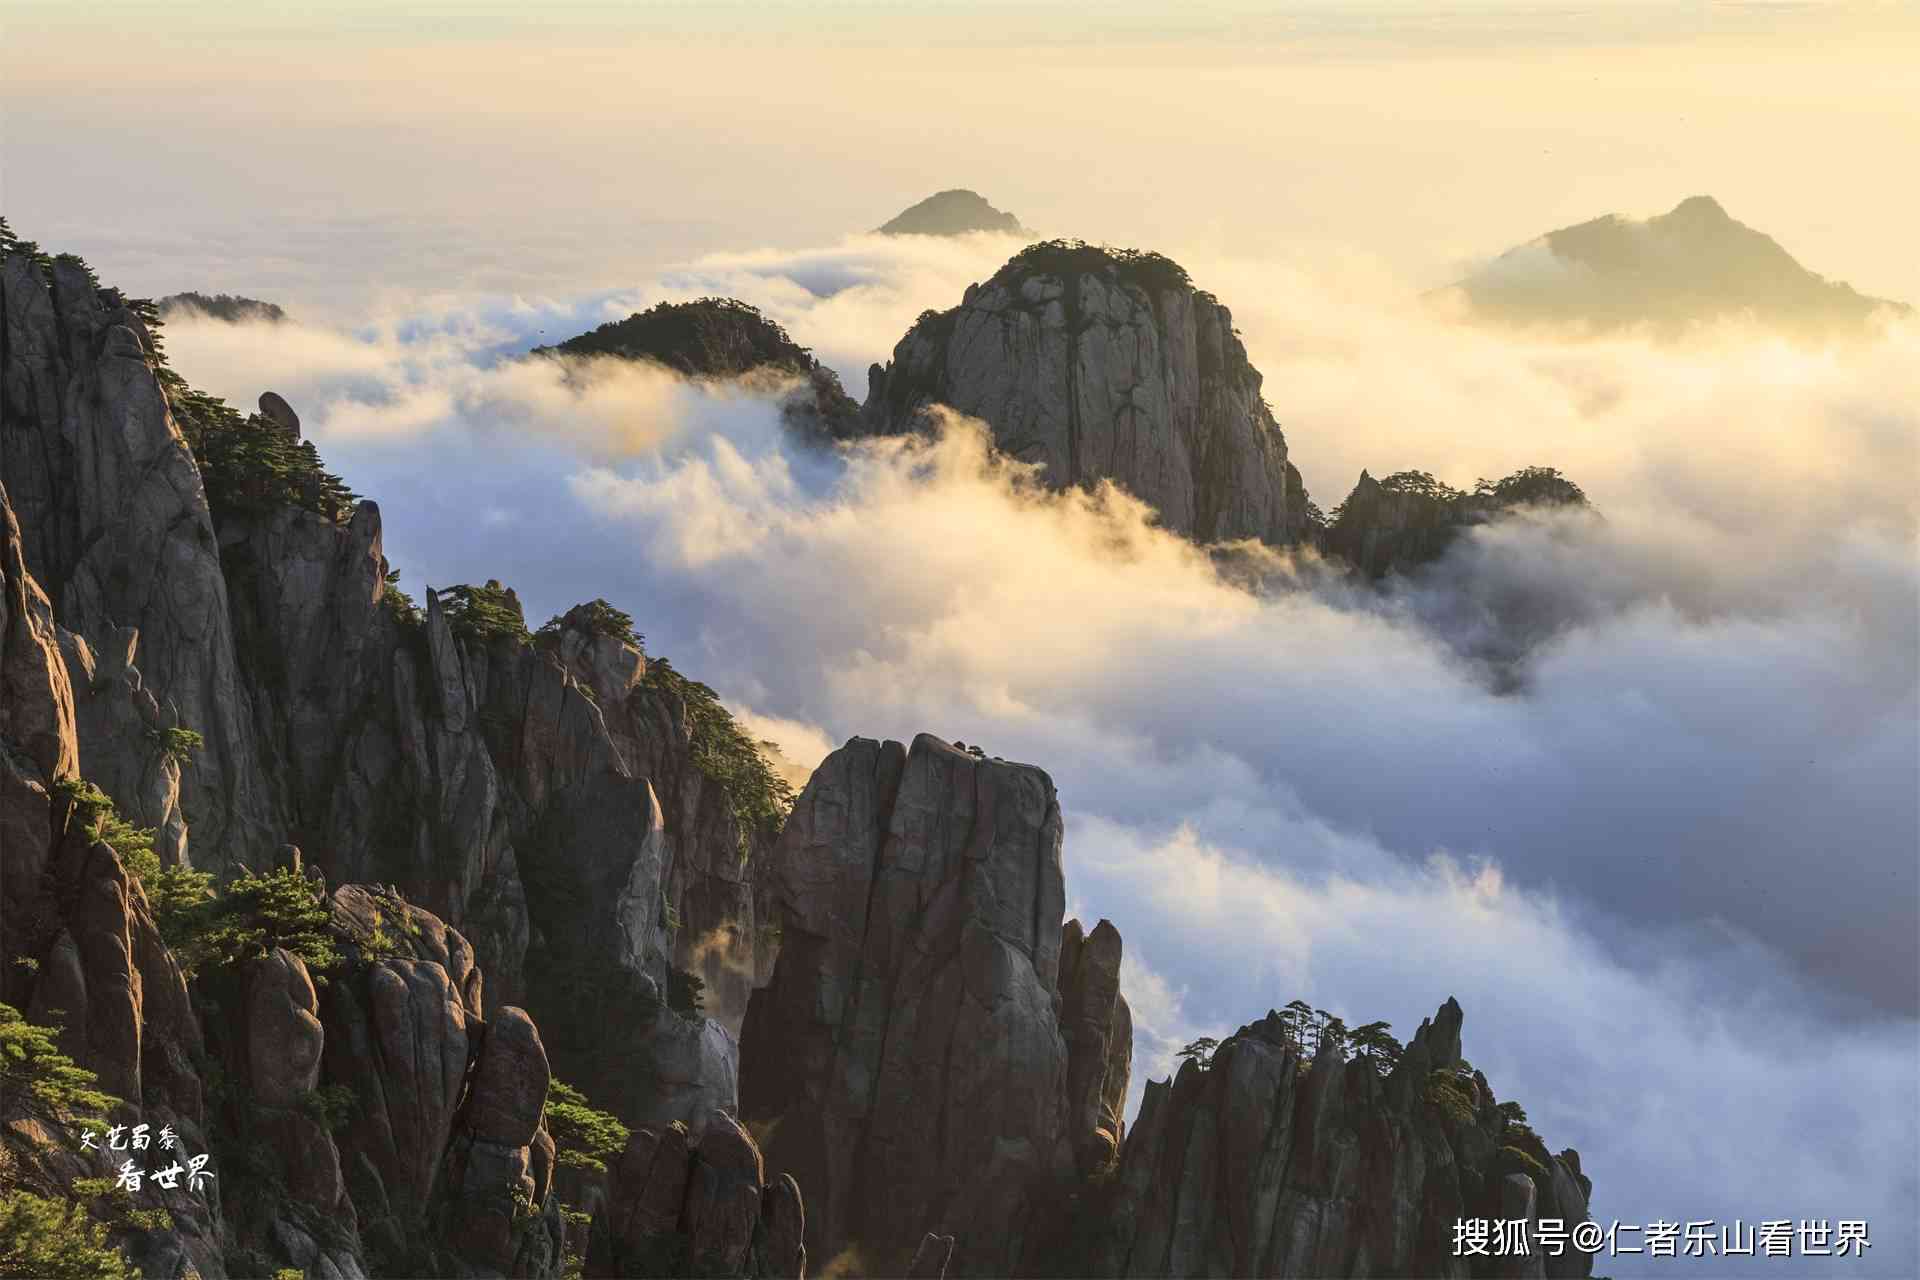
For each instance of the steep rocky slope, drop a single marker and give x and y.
(950, 213)
(362, 1103)
(724, 338)
(908, 1061)
(117, 531)
(243, 668)
(1273, 1161)
(1103, 365)
(1684, 267)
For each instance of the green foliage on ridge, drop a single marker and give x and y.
(686, 993)
(256, 913)
(1447, 1092)
(1532, 486)
(398, 603)
(711, 337)
(583, 1136)
(598, 618)
(1200, 1052)
(482, 614)
(43, 1239)
(758, 797)
(32, 1066)
(248, 463)
(1150, 271)
(175, 894)
(180, 744)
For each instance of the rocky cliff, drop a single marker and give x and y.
(239, 664)
(116, 529)
(364, 1106)
(1409, 519)
(1268, 1160)
(914, 1061)
(244, 667)
(1103, 365)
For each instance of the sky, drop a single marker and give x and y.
(549, 148)
(1639, 789)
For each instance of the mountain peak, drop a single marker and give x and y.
(1695, 264)
(953, 212)
(1700, 209)
(707, 337)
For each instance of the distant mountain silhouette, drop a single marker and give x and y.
(1669, 272)
(951, 213)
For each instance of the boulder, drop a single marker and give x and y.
(275, 409)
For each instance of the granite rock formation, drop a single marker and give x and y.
(1104, 366)
(951, 213)
(1269, 1162)
(907, 1062)
(373, 1115)
(681, 1206)
(248, 672)
(116, 529)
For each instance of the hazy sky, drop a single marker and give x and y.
(554, 147)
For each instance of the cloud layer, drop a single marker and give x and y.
(1638, 790)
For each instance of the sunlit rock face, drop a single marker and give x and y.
(1103, 366)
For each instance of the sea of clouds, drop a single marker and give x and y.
(1638, 789)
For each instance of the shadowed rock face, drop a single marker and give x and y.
(1099, 1029)
(1692, 264)
(390, 748)
(441, 1162)
(907, 1061)
(389, 745)
(1408, 520)
(1102, 366)
(724, 338)
(682, 1207)
(951, 213)
(1267, 1164)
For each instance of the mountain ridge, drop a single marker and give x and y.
(954, 212)
(1689, 266)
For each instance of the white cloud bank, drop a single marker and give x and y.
(1672, 878)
